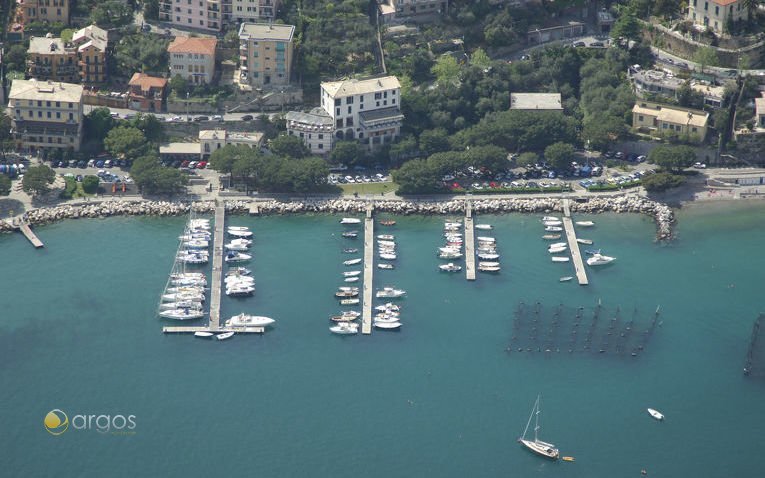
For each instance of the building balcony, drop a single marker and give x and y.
(212, 8)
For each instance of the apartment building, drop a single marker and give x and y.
(212, 140)
(315, 128)
(670, 120)
(716, 13)
(44, 11)
(265, 54)
(651, 83)
(253, 10)
(82, 60)
(45, 115)
(395, 9)
(193, 59)
(197, 14)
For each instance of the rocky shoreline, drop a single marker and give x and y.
(661, 213)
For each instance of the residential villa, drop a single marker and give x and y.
(91, 43)
(45, 115)
(81, 60)
(44, 11)
(715, 14)
(656, 118)
(265, 54)
(146, 93)
(367, 110)
(391, 10)
(648, 83)
(212, 140)
(193, 59)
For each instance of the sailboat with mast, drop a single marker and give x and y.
(536, 445)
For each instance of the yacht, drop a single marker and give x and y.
(238, 228)
(202, 334)
(386, 318)
(196, 289)
(240, 234)
(354, 301)
(389, 307)
(489, 256)
(484, 268)
(350, 220)
(390, 292)
(450, 267)
(556, 250)
(386, 266)
(231, 246)
(196, 243)
(656, 414)
(387, 325)
(387, 256)
(551, 237)
(352, 262)
(346, 294)
(194, 258)
(553, 228)
(351, 273)
(351, 279)
(552, 223)
(386, 237)
(183, 304)
(484, 227)
(452, 225)
(239, 290)
(245, 320)
(536, 445)
(587, 242)
(550, 218)
(599, 260)
(188, 282)
(181, 275)
(183, 296)
(449, 249)
(387, 222)
(489, 240)
(345, 328)
(386, 243)
(233, 256)
(450, 255)
(585, 223)
(238, 271)
(182, 314)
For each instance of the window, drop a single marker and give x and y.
(49, 115)
(693, 129)
(58, 104)
(378, 96)
(321, 146)
(717, 10)
(321, 136)
(47, 103)
(337, 103)
(350, 109)
(348, 121)
(39, 103)
(385, 94)
(706, 5)
(361, 98)
(39, 114)
(378, 104)
(71, 117)
(640, 117)
(393, 101)
(31, 114)
(349, 100)
(664, 125)
(339, 123)
(337, 112)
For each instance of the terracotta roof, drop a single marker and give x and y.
(147, 82)
(205, 46)
(724, 2)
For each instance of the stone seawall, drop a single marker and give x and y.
(662, 214)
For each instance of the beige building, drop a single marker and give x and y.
(193, 58)
(664, 120)
(44, 11)
(197, 14)
(253, 10)
(315, 128)
(212, 140)
(265, 54)
(82, 60)
(45, 115)
(715, 13)
(91, 43)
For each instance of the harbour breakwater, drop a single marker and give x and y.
(661, 213)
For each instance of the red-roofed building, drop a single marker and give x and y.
(146, 93)
(716, 13)
(193, 59)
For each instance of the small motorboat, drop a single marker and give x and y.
(386, 266)
(557, 244)
(489, 240)
(231, 246)
(449, 255)
(488, 256)
(233, 256)
(587, 242)
(245, 320)
(240, 290)
(599, 260)
(352, 262)
(565, 278)
(387, 325)
(351, 279)
(386, 243)
(560, 259)
(484, 268)
(346, 294)
(551, 237)
(197, 244)
(183, 296)
(552, 223)
(656, 414)
(351, 273)
(354, 301)
(450, 267)
(550, 218)
(568, 458)
(387, 256)
(553, 228)
(244, 234)
(484, 227)
(390, 306)
(585, 223)
(194, 258)
(350, 220)
(386, 237)
(386, 318)
(350, 234)
(345, 328)
(387, 222)
(557, 250)
(224, 336)
(390, 292)
(184, 304)
(202, 334)
(238, 228)
(350, 250)
(238, 271)
(182, 314)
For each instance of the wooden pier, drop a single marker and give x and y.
(27, 231)
(369, 250)
(573, 245)
(469, 242)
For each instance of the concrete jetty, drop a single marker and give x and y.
(573, 245)
(469, 242)
(31, 236)
(369, 250)
(217, 268)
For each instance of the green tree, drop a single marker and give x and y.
(179, 85)
(308, 174)
(446, 70)
(665, 8)
(66, 35)
(90, 184)
(5, 185)
(602, 130)
(661, 181)
(418, 65)
(126, 142)
(706, 56)
(289, 146)
(434, 141)
(153, 178)
(480, 59)
(98, 123)
(417, 177)
(527, 159)
(627, 26)
(347, 152)
(15, 57)
(404, 149)
(223, 159)
(37, 178)
(672, 157)
(141, 52)
(688, 97)
(150, 126)
(6, 138)
(111, 14)
(559, 156)
(751, 7)
(151, 9)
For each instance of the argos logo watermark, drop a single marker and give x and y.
(57, 422)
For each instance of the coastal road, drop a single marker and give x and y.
(127, 113)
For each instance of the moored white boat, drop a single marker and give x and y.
(246, 320)
(386, 237)
(233, 256)
(450, 267)
(550, 218)
(238, 228)
(350, 220)
(536, 445)
(194, 258)
(585, 223)
(353, 301)
(386, 266)
(584, 241)
(184, 304)
(351, 279)
(551, 237)
(449, 255)
(484, 227)
(240, 291)
(352, 262)
(390, 292)
(599, 260)
(345, 328)
(224, 336)
(202, 334)
(565, 278)
(387, 256)
(488, 256)
(387, 325)
(182, 314)
(196, 244)
(238, 271)
(193, 289)
(560, 258)
(486, 239)
(351, 273)
(183, 296)
(390, 306)
(553, 228)
(236, 247)
(556, 250)
(656, 414)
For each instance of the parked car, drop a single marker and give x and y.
(579, 44)
(217, 118)
(202, 118)
(202, 165)
(176, 164)
(698, 165)
(192, 164)
(78, 178)
(247, 118)
(108, 163)
(145, 27)
(54, 164)
(100, 163)
(597, 44)
(91, 163)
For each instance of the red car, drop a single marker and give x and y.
(202, 165)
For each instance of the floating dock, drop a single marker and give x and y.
(192, 329)
(573, 245)
(469, 243)
(27, 231)
(369, 250)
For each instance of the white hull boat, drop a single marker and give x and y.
(482, 255)
(388, 256)
(599, 260)
(484, 227)
(587, 242)
(244, 320)
(386, 266)
(552, 223)
(387, 325)
(536, 445)
(351, 279)
(350, 220)
(565, 278)
(489, 240)
(450, 267)
(585, 223)
(238, 271)
(556, 250)
(390, 292)
(352, 262)
(450, 255)
(390, 306)
(196, 244)
(238, 228)
(202, 334)
(550, 218)
(345, 328)
(553, 229)
(189, 289)
(188, 283)
(224, 336)
(184, 304)
(489, 264)
(183, 297)
(551, 237)
(349, 301)
(351, 273)
(560, 259)
(236, 247)
(194, 259)
(182, 314)
(488, 268)
(656, 414)
(237, 257)
(181, 275)
(244, 234)
(240, 291)
(386, 237)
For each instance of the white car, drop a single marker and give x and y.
(699, 165)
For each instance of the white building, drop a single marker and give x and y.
(193, 59)
(716, 13)
(253, 10)
(214, 139)
(315, 128)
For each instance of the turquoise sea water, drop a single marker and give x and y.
(443, 397)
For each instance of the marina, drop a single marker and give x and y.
(573, 244)
(469, 243)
